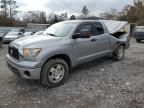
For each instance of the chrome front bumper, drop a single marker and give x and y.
(20, 69)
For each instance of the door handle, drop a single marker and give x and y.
(93, 40)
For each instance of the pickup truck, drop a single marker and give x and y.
(139, 34)
(51, 56)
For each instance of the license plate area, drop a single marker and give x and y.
(14, 70)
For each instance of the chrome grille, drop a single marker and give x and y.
(13, 52)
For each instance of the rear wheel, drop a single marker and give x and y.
(54, 73)
(138, 40)
(119, 53)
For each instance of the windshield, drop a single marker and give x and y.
(39, 33)
(61, 29)
(15, 30)
(27, 33)
(13, 33)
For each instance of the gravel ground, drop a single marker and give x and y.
(102, 83)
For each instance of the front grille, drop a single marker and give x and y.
(13, 52)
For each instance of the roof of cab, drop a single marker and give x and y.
(80, 21)
(112, 26)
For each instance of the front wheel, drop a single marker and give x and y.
(54, 73)
(138, 40)
(118, 54)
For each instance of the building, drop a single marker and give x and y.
(37, 26)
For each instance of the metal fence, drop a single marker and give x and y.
(7, 29)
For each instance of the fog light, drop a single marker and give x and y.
(27, 74)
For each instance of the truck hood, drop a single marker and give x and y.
(34, 40)
(114, 26)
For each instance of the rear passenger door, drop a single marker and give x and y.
(102, 40)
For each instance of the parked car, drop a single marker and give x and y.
(51, 56)
(14, 34)
(28, 33)
(38, 33)
(139, 34)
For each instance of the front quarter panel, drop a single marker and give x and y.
(62, 47)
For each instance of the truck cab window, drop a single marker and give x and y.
(97, 29)
(83, 27)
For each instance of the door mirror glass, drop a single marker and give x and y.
(84, 33)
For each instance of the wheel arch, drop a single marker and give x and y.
(65, 57)
(123, 44)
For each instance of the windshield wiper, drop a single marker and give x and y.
(51, 34)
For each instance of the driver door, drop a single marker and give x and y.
(83, 48)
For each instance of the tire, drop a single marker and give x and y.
(138, 40)
(118, 54)
(54, 73)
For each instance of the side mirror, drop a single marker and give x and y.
(83, 34)
(76, 35)
(20, 34)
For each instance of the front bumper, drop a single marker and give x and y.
(21, 69)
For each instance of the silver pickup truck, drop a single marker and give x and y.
(50, 57)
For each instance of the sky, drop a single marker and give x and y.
(71, 6)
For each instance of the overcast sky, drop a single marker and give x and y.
(71, 6)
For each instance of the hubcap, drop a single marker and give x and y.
(56, 73)
(120, 52)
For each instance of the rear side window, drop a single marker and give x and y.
(97, 29)
(83, 27)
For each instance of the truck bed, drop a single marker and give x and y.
(118, 34)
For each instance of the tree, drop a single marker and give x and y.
(4, 7)
(42, 17)
(35, 17)
(55, 19)
(135, 12)
(12, 8)
(72, 17)
(123, 13)
(9, 8)
(63, 16)
(85, 11)
(131, 13)
(138, 4)
(8, 12)
(110, 15)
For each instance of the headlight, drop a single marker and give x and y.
(31, 52)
